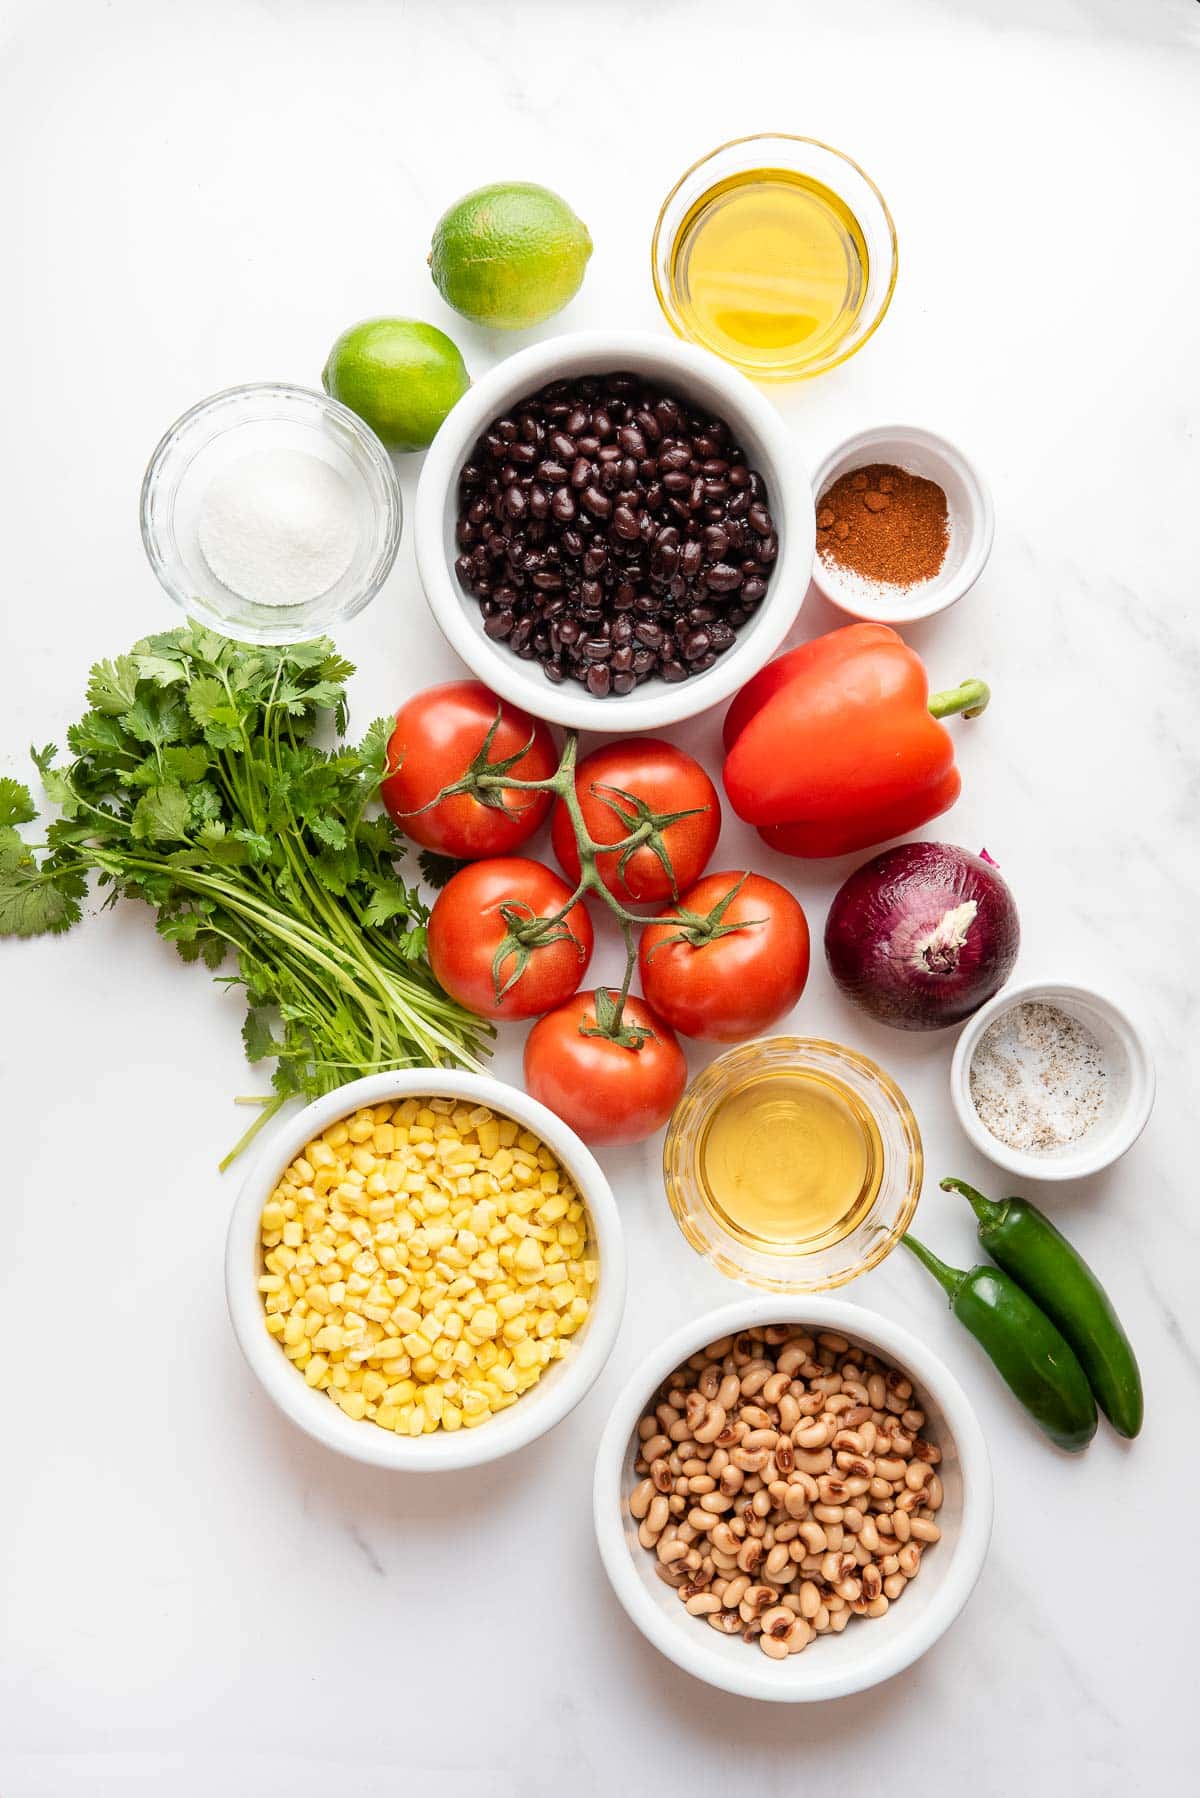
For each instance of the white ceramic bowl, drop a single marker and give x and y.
(869, 1649)
(1130, 1083)
(562, 1385)
(683, 369)
(972, 522)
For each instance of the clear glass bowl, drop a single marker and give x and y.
(876, 1233)
(239, 422)
(817, 162)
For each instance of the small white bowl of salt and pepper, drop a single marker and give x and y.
(1052, 1081)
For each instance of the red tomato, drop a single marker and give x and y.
(664, 779)
(438, 734)
(608, 1093)
(733, 986)
(468, 926)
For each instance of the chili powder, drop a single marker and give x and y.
(884, 525)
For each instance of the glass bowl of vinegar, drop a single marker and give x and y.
(793, 1164)
(777, 253)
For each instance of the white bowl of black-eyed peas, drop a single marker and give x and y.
(793, 1502)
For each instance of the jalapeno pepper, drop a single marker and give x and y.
(1040, 1259)
(1031, 1355)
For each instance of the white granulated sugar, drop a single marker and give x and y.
(278, 527)
(1038, 1078)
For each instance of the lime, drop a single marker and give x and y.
(509, 255)
(399, 375)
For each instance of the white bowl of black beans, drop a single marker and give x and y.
(656, 1460)
(614, 531)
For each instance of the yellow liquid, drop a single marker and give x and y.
(769, 269)
(790, 1162)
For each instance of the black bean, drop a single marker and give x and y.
(581, 472)
(597, 503)
(599, 680)
(515, 502)
(677, 481)
(563, 504)
(554, 472)
(672, 670)
(722, 577)
(753, 589)
(563, 446)
(768, 549)
(625, 522)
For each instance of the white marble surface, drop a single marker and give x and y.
(193, 1597)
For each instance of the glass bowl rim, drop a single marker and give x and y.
(662, 291)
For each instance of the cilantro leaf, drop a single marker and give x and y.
(162, 814)
(33, 899)
(16, 802)
(112, 686)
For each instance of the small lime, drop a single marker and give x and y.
(509, 255)
(400, 376)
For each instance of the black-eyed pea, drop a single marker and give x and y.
(723, 1539)
(647, 1427)
(774, 1387)
(838, 1621)
(901, 1525)
(872, 1582)
(820, 1619)
(661, 1477)
(893, 1585)
(901, 1444)
(657, 1446)
(672, 1551)
(709, 1382)
(876, 1391)
(847, 1442)
(809, 1597)
(749, 1460)
(835, 1535)
(814, 1461)
(778, 1562)
(879, 1488)
(639, 1499)
(878, 1607)
(753, 1379)
(760, 1504)
(934, 1493)
(839, 1402)
(908, 1502)
(703, 1604)
(811, 1404)
(913, 1421)
(676, 1576)
(717, 1351)
(728, 1391)
(735, 1590)
(775, 1647)
(789, 1413)
(853, 1520)
(813, 1538)
(677, 1503)
(723, 1563)
(887, 1468)
(750, 1555)
(910, 1559)
(693, 1560)
(889, 1566)
(915, 1475)
(717, 1503)
(701, 1483)
(868, 1535)
(679, 1431)
(811, 1439)
(925, 1531)
(795, 1502)
(727, 1622)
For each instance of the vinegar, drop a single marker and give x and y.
(769, 269)
(790, 1161)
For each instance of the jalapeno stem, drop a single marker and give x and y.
(948, 1278)
(986, 1210)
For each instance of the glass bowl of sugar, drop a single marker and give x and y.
(271, 512)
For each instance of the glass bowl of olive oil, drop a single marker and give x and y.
(777, 253)
(793, 1164)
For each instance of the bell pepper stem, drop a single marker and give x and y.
(948, 1278)
(986, 1210)
(970, 698)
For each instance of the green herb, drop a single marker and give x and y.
(195, 784)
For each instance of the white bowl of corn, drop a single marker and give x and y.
(425, 1269)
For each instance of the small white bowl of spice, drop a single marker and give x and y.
(1052, 1081)
(904, 524)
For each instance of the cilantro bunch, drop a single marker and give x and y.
(196, 785)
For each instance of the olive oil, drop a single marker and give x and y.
(769, 269)
(790, 1161)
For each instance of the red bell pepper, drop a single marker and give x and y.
(836, 746)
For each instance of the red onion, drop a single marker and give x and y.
(922, 935)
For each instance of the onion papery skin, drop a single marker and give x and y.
(922, 935)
